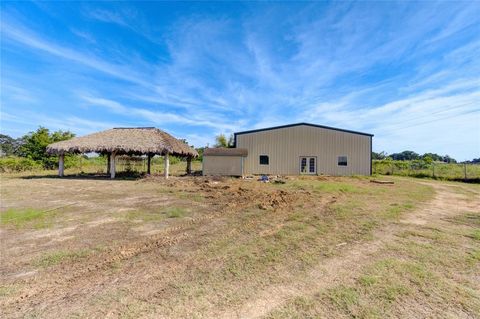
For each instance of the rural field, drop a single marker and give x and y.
(195, 247)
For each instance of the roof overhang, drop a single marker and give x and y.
(221, 151)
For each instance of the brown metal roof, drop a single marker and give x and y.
(222, 151)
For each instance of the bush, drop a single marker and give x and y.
(18, 164)
(35, 144)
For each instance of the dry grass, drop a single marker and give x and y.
(191, 247)
(426, 271)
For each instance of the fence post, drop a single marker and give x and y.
(433, 170)
(465, 170)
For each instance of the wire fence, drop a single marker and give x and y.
(437, 170)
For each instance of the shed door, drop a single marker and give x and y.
(308, 165)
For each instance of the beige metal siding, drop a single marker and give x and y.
(223, 165)
(285, 146)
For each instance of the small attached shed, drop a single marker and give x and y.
(148, 141)
(224, 161)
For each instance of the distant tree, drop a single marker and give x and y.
(379, 156)
(35, 145)
(448, 159)
(435, 157)
(221, 141)
(405, 156)
(8, 145)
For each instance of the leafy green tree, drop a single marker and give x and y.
(221, 141)
(35, 145)
(427, 159)
(379, 156)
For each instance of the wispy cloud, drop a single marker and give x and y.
(158, 118)
(30, 39)
(32, 121)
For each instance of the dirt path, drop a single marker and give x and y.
(345, 266)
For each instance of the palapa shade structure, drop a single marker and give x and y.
(118, 141)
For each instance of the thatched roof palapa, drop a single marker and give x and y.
(142, 140)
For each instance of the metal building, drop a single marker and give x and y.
(304, 148)
(224, 161)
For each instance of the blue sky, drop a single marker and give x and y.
(407, 72)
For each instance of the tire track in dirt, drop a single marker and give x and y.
(349, 263)
(70, 278)
(82, 273)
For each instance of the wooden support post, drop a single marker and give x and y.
(149, 157)
(167, 165)
(189, 165)
(112, 165)
(108, 164)
(465, 170)
(61, 165)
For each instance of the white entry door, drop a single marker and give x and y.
(308, 165)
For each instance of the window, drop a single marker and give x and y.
(342, 161)
(311, 167)
(303, 165)
(263, 159)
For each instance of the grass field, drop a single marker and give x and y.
(231, 248)
(441, 171)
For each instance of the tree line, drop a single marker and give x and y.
(413, 156)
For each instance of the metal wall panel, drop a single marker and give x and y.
(223, 165)
(285, 146)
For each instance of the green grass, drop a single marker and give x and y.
(343, 297)
(7, 290)
(61, 256)
(468, 219)
(175, 212)
(443, 171)
(335, 187)
(475, 234)
(27, 217)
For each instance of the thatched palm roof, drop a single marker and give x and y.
(141, 140)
